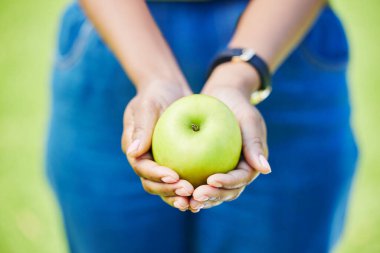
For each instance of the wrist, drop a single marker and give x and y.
(164, 85)
(236, 75)
(162, 92)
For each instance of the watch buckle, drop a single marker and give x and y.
(246, 55)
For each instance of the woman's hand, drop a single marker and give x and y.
(224, 85)
(140, 118)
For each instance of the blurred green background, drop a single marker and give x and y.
(29, 219)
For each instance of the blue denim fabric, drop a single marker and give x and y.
(300, 207)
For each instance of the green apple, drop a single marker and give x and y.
(197, 136)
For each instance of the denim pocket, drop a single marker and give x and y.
(73, 38)
(325, 46)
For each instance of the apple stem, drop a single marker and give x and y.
(195, 127)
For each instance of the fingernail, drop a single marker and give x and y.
(265, 163)
(178, 205)
(216, 184)
(197, 207)
(168, 180)
(133, 147)
(203, 198)
(182, 192)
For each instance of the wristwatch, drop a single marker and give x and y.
(249, 56)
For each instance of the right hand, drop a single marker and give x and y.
(140, 117)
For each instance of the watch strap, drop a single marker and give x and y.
(245, 55)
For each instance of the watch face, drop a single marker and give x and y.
(260, 95)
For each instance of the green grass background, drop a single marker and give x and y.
(29, 219)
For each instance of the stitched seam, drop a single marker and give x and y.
(72, 57)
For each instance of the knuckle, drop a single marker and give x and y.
(129, 108)
(250, 176)
(136, 169)
(167, 191)
(255, 141)
(128, 126)
(147, 187)
(138, 130)
(234, 181)
(234, 178)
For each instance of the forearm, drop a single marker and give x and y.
(272, 28)
(130, 31)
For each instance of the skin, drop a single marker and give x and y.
(161, 82)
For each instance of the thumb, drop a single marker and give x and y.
(145, 116)
(254, 144)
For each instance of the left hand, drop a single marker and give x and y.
(140, 118)
(227, 187)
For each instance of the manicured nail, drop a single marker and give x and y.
(216, 184)
(265, 163)
(182, 192)
(133, 147)
(203, 198)
(169, 180)
(178, 205)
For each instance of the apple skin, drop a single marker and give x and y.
(197, 136)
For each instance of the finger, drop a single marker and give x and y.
(145, 115)
(181, 188)
(181, 203)
(145, 167)
(196, 206)
(237, 178)
(126, 138)
(210, 204)
(254, 142)
(208, 193)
